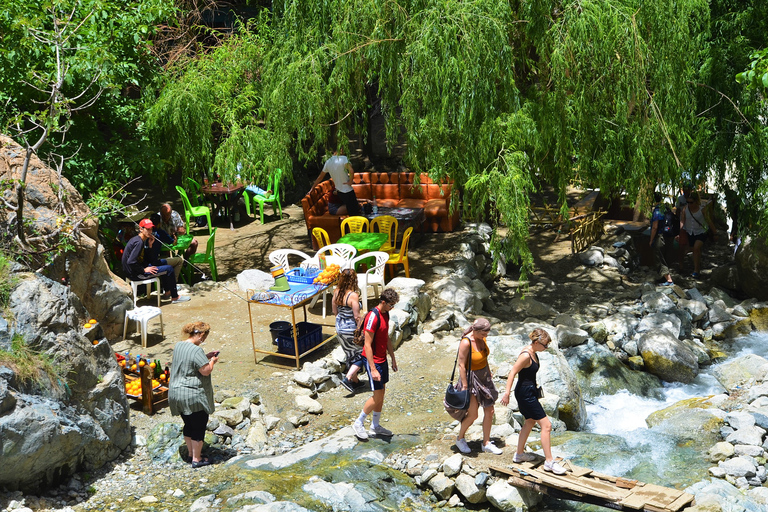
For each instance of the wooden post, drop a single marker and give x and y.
(146, 388)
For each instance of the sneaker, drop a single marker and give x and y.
(462, 445)
(491, 448)
(359, 430)
(380, 431)
(181, 298)
(554, 467)
(667, 283)
(695, 275)
(524, 457)
(348, 384)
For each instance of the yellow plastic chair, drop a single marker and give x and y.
(321, 236)
(401, 258)
(386, 224)
(354, 224)
(207, 257)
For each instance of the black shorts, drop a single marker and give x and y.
(693, 238)
(527, 402)
(383, 369)
(194, 425)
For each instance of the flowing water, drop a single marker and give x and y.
(620, 443)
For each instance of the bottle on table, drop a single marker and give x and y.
(375, 208)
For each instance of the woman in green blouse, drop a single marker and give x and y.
(190, 392)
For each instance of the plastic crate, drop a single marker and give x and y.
(310, 335)
(300, 275)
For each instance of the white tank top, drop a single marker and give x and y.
(694, 222)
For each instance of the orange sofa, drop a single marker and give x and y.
(394, 189)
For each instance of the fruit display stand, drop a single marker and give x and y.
(151, 399)
(306, 338)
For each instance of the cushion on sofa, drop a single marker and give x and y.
(411, 203)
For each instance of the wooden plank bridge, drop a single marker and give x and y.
(587, 486)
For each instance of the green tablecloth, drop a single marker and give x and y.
(364, 242)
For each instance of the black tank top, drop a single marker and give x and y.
(527, 376)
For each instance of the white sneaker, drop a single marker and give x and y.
(554, 467)
(491, 448)
(524, 457)
(462, 445)
(359, 430)
(380, 431)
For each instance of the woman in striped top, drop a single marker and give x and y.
(190, 392)
(346, 306)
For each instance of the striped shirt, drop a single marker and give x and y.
(189, 391)
(345, 318)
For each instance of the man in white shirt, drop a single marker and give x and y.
(341, 171)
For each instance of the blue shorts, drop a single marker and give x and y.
(383, 369)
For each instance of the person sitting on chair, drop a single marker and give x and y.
(133, 263)
(162, 242)
(172, 223)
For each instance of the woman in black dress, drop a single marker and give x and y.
(525, 368)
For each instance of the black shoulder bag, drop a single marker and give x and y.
(458, 399)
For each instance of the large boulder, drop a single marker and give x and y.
(667, 357)
(104, 295)
(734, 373)
(53, 428)
(694, 419)
(751, 261)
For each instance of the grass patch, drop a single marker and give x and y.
(7, 282)
(28, 364)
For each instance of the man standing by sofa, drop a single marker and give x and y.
(375, 350)
(133, 262)
(341, 171)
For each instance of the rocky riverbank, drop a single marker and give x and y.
(610, 333)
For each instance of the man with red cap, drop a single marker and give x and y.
(133, 262)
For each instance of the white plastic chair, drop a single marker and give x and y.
(374, 276)
(337, 253)
(135, 287)
(280, 257)
(142, 315)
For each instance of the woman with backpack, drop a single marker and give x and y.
(664, 226)
(695, 222)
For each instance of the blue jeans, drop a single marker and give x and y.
(167, 279)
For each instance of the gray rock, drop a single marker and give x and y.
(621, 325)
(661, 322)
(442, 486)
(748, 450)
(696, 308)
(428, 475)
(570, 336)
(7, 398)
(337, 496)
(238, 403)
(222, 394)
(277, 506)
(751, 262)
(738, 467)
(303, 379)
(721, 451)
(667, 357)
(718, 294)
(695, 295)
(260, 497)
(717, 472)
(412, 297)
(465, 484)
(257, 437)
(736, 372)
(566, 320)
(505, 497)
(452, 465)
(740, 419)
(231, 417)
(747, 435)
(224, 430)
(307, 404)
(164, 442)
(592, 256)
(456, 291)
(718, 314)
(760, 415)
(657, 301)
(530, 307)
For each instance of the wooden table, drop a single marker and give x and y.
(226, 196)
(406, 217)
(298, 296)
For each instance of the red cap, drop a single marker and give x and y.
(146, 223)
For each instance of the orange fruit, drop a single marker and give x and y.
(122, 363)
(92, 321)
(142, 363)
(86, 326)
(162, 376)
(95, 342)
(133, 367)
(152, 365)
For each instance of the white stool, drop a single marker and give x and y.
(142, 315)
(135, 286)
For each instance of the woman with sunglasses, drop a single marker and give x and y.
(695, 221)
(474, 349)
(526, 394)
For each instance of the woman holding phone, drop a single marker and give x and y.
(190, 392)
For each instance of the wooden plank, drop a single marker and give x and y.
(683, 501)
(634, 501)
(625, 484)
(584, 486)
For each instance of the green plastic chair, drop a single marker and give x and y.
(196, 198)
(194, 211)
(273, 198)
(207, 257)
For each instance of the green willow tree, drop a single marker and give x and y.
(499, 96)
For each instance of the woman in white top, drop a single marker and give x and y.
(695, 221)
